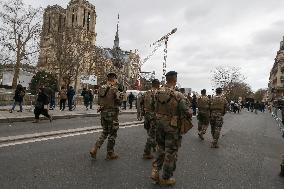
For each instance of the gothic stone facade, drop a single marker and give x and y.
(64, 31)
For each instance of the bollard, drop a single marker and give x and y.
(282, 167)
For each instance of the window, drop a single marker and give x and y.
(59, 23)
(88, 21)
(84, 18)
(49, 22)
(73, 17)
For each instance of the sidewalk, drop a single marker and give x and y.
(28, 115)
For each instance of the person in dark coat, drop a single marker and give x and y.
(194, 104)
(70, 96)
(18, 98)
(131, 98)
(86, 97)
(41, 105)
(91, 94)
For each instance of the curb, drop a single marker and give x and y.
(55, 117)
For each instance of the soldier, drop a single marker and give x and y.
(217, 111)
(203, 104)
(109, 100)
(170, 109)
(148, 105)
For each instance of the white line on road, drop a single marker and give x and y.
(26, 141)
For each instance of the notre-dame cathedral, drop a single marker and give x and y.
(68, 47)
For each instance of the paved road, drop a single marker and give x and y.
(248, 157)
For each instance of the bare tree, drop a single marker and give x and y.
(232, 81)
(223, 76)
(19, 33)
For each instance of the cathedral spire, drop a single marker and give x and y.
(116, 39)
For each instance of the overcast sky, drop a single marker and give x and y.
(243, 33)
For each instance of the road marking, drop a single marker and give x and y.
(59, 136)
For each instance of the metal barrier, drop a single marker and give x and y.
(277, 114)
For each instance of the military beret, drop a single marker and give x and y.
(111, 75)
(155, 81)
(203, 91)
(171, 73)
(219, 90)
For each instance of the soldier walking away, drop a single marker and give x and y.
(203, 104)
(41, 105)
(148, 105)
(124, 100)
(109, 101)
(170, 109)
(217, 111)
(139, 106)
(18, 98)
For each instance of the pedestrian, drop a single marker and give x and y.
(86, 97)
(41, 105)
(194, 104)
(251, 106)
(51, 94)
(217, 111)
(131, 98)
(172, 112)
(282, 167)
(203, 104)
(139, 106)
(70, 97)
(91, 94)
(18, 98)
(62, 98)
(148, 104)
(124, 100)
(256, 107)
(109, 102)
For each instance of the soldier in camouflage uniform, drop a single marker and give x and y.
(148, 105)
(109, 100)
(217, 111)
(203, 104)
(170, 105)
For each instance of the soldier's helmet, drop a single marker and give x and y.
(203, 91)
(219, 90)
(112, 75)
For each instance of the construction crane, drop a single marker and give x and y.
(157, 45)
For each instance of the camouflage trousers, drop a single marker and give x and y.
(168, 141)
(110, 125)
(216, 122)
(203, 121)
(150, 126)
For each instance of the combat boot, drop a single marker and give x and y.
(167, 182)
(155, 173)
(111, 156)
(94, 152)
(147, 156)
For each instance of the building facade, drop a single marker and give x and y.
(276, 79)
(67, 40)
(68, 47)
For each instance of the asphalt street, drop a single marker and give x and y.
(249, 157)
